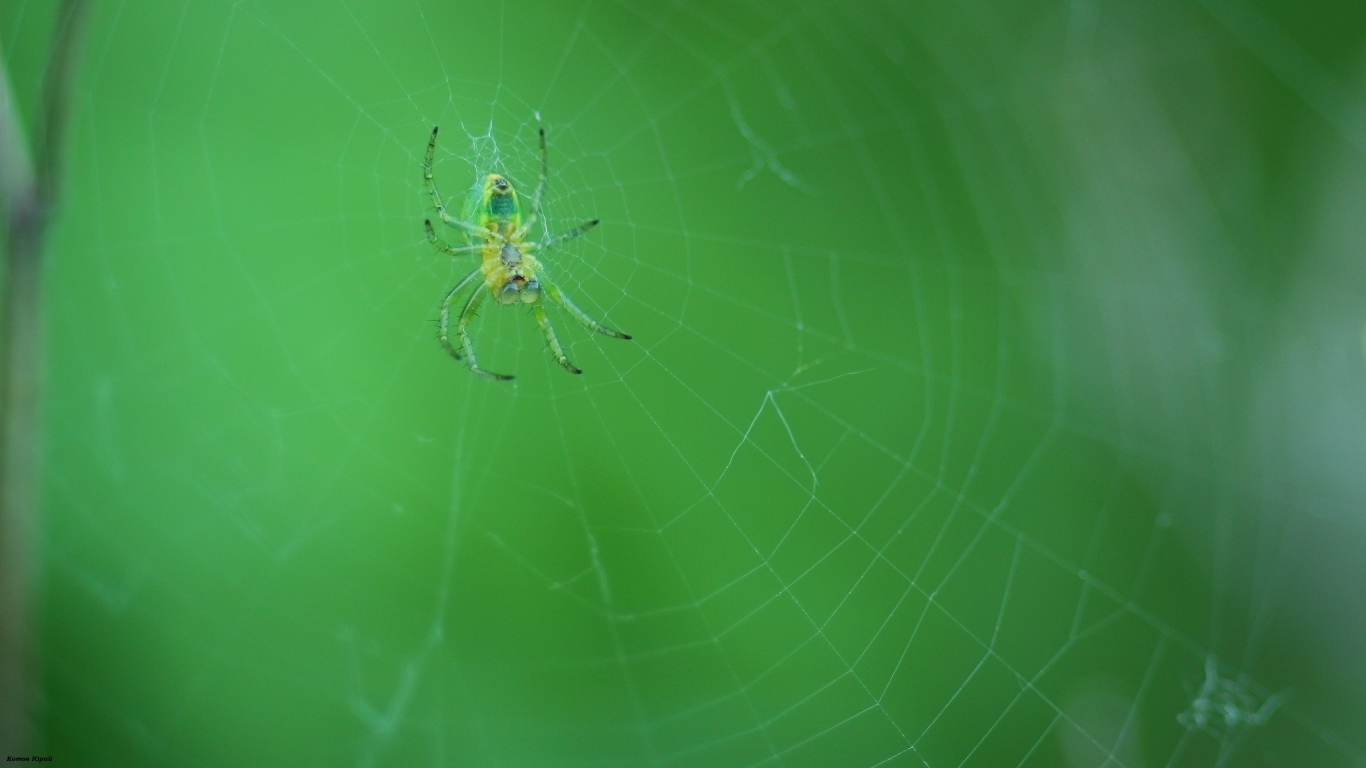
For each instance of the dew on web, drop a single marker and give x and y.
(1223, 706)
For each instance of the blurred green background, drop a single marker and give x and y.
(997, 377)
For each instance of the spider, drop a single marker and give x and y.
(495, 225)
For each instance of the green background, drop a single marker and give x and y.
(995, 366)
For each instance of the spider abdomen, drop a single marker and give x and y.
(502, 206)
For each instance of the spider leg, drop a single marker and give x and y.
(536, 199)
(446, 247)
(429, 181)
(549, 331)
(466, 351)
(559, 297)
(545, 173)
(446, 311)
(570, 235)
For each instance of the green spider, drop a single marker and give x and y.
(493, 223)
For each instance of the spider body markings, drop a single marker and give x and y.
(496, 221)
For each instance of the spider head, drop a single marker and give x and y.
(531, 292)
(520, 288)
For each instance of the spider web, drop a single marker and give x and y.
(954, 431)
